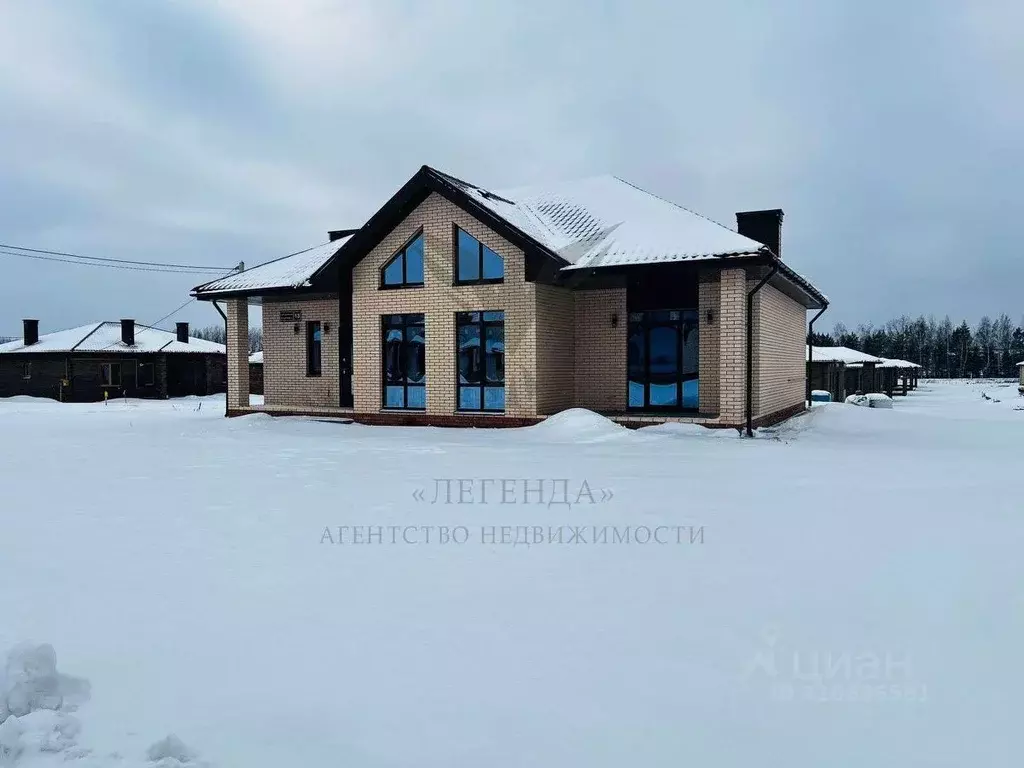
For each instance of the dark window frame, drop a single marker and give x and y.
(107, 374)
(647, 325)
(482, 326)
(314, 368)
(401, 254)
(456, 280)
(138, 375)
(407, 321)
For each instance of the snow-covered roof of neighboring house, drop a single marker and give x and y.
(256, 357)
(841, 355)
(293, 271)
(106, 337)
(1020, 363)
(896, 363)
(604, 221)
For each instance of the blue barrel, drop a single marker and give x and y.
(821, 396)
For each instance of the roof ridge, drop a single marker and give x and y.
(90, 333)
(681, 207)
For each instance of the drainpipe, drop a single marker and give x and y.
(750, 346)
(810, 350)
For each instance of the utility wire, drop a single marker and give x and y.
(117, 261)
(210, 271)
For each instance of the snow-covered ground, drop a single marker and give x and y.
(201, 574)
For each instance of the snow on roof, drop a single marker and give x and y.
(1020, 363)
(841, 355)
(293, 271)
(106, 337)
(604, 221)
(896, 363)
(256, 357)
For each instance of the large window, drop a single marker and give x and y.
(481, 349)
(111, 373)
(145, 375)
(405, 362)
(663, 360)
(475, 262)
(314, 349)
(405, 269)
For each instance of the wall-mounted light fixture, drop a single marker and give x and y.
(295, 329)
(710, 316)
(327, 327)
(615, 319)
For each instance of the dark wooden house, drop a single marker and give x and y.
(110, 359)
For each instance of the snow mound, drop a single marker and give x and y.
(678, 429)
(578, 425)
(172, 752)
(35, 700)
(871, 400)
(31, 682)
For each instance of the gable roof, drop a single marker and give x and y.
(106, 337)
(293, 271)
(591, 223)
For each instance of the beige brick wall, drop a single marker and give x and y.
(238, 353)
(555, 331)
(779, 356)
(601, 355)
(439, 300)
(284, 354)
(709, 298)
(732, 351)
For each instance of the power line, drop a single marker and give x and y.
(116, 261)
(210, 271)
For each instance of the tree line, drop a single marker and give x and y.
(991, 349)
(216, 333)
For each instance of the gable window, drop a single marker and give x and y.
(480, 337)
(404, 362)
(145, 376)
(26, 370)
(475, 262)
(405, 269)
(314, 349)
(111, 373)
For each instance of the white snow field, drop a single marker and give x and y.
(845, 590)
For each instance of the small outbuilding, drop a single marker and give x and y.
(897, 376)
(841, 371)
(111, 359)
(1020, 366)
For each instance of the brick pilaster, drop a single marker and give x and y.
(732, 346)
(238, 353)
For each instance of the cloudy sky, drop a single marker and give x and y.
(217, 131)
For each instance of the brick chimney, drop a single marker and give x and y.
(128, 332)
(763, 226)
(182, 330)
(30, 332)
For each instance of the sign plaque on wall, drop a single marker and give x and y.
(291, 315)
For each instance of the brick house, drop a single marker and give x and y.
(457, 305)
(110, 359)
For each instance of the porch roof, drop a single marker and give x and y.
(896, 363)
(292, 271)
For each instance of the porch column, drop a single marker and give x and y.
(238, 353)
(732, 347)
